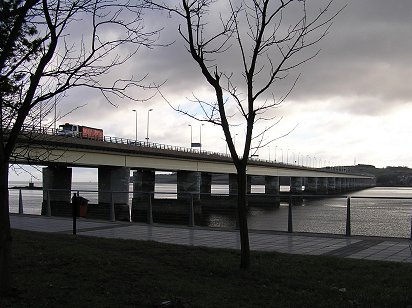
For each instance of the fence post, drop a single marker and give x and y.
(411, 229)
(191, 213)
(348, 224)
(48, 204)
(74, 212)
(20, 202)
(150, 210)
(290, 220)
(112, 214)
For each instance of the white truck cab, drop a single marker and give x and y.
(68, 130)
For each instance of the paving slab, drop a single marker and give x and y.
(370, 248)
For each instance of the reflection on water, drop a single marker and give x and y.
(369, 216)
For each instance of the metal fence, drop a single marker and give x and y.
(347, 215)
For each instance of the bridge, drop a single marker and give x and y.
(116, 157)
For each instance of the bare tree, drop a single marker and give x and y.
(268, 37)
(49, 47)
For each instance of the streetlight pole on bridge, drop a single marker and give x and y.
(147, 130)
(191, 135)
(135, 111)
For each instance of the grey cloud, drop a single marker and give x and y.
(365, 56)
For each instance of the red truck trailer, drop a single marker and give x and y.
(80, 131)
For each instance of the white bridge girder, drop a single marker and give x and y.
(94, 158)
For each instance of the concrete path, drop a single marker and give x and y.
(370, 248)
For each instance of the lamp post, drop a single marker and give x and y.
(55, 114)
(287, 156)
(201, 137)
(191, 135)
(275, 152)
(147, 130)
(135, 111)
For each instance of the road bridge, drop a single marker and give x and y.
(116, 157)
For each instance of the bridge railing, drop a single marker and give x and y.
(346, 215)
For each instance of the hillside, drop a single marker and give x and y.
(389, 176)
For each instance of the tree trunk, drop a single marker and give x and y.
(242, 216)
(5, 233)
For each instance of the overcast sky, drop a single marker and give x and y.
(352, 103)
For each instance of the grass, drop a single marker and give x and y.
(56, 270)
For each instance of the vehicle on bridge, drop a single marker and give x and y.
(74, 130)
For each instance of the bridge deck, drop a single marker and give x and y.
(46, 149)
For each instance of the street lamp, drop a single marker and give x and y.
(135, 111)
(191, 135)
(275, 152)
(201, 137)
(287, 156)
(147, 130)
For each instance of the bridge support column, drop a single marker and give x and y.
(114, 187)
(296, 185)
(331, 185)
(323, 186)
(206, 184)
(143, 190)
(351, 184)
(311, 186)
(249, 184)
(272, 187)
(343, 185)
(143, 183)
(338, 185)
(188, 184)
(56, 178)
(233, 187)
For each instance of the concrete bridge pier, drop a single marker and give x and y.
(323, 185)
(143, 184)
(338, 185)
(57, 183)
(331, 185)
(205, 184)
(343, 185)
(272, 187)
(113, 187)
(143, 192)
(296, 185)
(311, 186)
(233, 187)
(351, 185)
(189, 184)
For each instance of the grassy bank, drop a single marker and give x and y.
(52, 270)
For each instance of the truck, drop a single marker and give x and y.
(80, 131)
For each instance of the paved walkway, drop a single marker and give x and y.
(370, 248)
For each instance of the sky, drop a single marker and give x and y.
(352, 103)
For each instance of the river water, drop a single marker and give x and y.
(370, 215)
